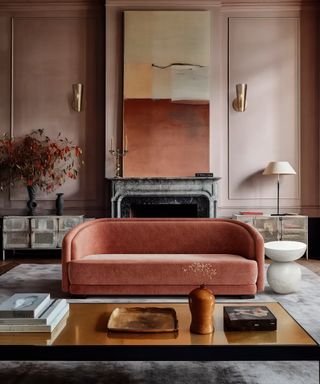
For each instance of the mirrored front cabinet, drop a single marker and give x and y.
(36, 232)
(273, 228)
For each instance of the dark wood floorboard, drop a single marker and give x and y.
(29, 257)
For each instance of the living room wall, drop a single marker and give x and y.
(281, 121)
(45, 47)
(272, 46)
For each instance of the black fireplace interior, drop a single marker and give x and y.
(165, 206)
(163, 210)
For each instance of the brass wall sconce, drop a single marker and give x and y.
(240, 102)
(77, 90)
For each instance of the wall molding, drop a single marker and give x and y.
(162, 3)
(287, 202)
(41, 196)
(228, 4)
(51, 6)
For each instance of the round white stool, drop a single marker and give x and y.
(284, 275)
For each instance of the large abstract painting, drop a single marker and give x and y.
(166, 93)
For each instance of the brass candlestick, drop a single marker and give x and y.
(118, 153)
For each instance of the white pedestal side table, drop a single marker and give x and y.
(284, 275)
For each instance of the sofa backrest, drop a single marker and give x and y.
(147, 236)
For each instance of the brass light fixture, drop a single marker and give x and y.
(240, 102)
(77, 90)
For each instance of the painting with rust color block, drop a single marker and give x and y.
(166, 93)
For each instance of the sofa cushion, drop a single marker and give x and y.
(163, 269)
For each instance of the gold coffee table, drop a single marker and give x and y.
(84, 337)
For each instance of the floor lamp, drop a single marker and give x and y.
(278, 168)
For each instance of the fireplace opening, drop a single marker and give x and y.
(165, 206)
(163, 210)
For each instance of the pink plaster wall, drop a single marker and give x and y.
(274, 49)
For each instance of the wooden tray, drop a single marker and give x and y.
(145, 320)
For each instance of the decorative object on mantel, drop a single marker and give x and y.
(278, 168)
(37, 161)
(201, 303)
(59, 204)
(203, 174)
(118, 154)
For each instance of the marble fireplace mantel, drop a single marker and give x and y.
(199, 191)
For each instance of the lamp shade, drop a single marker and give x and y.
(279, 168)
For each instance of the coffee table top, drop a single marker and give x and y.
(86, 329)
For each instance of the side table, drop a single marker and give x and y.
(284, 275)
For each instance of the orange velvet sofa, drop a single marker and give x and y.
(162, 257)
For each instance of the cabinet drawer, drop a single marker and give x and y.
(44, 240)
(245, 219)
(294, 224)
(61, 235)
(13, 240)
(269, 236)
(67, 223)
(44, 224)
(15, 224)
(267, 225)
(295, 237)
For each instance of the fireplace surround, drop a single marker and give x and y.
(164, 197)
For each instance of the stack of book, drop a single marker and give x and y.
(32, 312)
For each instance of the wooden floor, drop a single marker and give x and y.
(28, 258)
(312, 264)
(12, 261)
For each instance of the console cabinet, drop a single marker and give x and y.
(36, 232)
(273, 228)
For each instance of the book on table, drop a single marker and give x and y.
(48, 313)
(248, 318)
(35, 338)
(24, 305)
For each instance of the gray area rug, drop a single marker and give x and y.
(160, 372)
(303, 305)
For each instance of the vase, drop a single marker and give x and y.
(31, 203)
(59, 204)
(201, 303)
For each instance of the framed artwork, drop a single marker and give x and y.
(166, 93)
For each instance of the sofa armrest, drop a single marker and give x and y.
(67, 255)
(258, 252)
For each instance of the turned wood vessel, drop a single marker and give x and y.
(201, 303)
